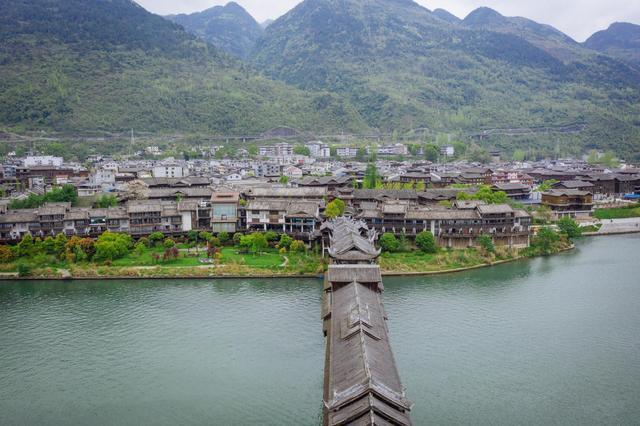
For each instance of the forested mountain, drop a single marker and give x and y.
(542, 36)
(228, 27)
(342, 65)
(110, 64)
(405, 67)
(621, 39)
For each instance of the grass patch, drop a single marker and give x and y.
(625, 212)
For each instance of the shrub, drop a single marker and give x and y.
(156, 237)
(334, 209)
(426, 242)
(206, 236)
(297, 247)
(215, 242)
(145, 241)
(271, 236)
(236, 238)
(169, 243)
(224, 237)
(111, 245)
(388, 242)
(545, 241)
(570, 227)
(285, 241)
(255, 242)
(6, 254)
(24, 270)
(486, 243)
(282, 251)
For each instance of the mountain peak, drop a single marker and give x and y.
(483, 16)
(229, 27)
(621, 39)
(447, 16)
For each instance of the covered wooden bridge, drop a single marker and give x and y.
(361, 382)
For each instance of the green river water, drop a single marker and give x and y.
(545, 341)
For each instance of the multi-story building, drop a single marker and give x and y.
(277, 150)
(346, 151)
(568, 202)
(224, 211)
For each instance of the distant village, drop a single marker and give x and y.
(286, 190)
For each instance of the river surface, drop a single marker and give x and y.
(545, 341)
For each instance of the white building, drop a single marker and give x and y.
(447, 150)
(346, 151)
(318, 149)
(43, 160)
(292, 172)
(277, 150)
(170, 170)
(233, 177)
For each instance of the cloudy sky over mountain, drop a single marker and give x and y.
(578, 18)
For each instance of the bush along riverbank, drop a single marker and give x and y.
(258, 254)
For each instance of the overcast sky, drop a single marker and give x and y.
(578, 18)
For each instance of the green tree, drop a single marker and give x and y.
(518, 155)
(569, 227)
(236, 238)
(388, 242)
(298, 246)
(285, 241)
(156, 238)
(371, 179)
(426, 242)
(486, 243)
(547, 185)
(431, 153)
(25, 246)
(334, 209)
(169, 243)
(545, 240)
(301, 150)
(205, 235)
(224, 237)
(105, 201)
(254, 242)
(283, 180)
(112, 245)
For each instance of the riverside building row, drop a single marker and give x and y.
(298, 212)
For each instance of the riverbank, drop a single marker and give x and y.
(392, 264)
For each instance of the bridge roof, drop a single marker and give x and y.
(363, 379)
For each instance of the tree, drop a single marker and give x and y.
(371, 179)
(518, 155)
(254, 242)
(388, 242)
(298, 246)
(361, 154)
(112, 245)
(25, 246)
(545, 240)
(285, 241)
(156, 238)
(105, 201)
(283, 180)
(547, 185)
(224, 237)
(6, 254)
(486, 243)
(236, 238)
(205, 235)
(168, 243)
(431, 153)
(570, 227)
(301, 150)
(334, 209)
(271, 236)
(426, 242)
